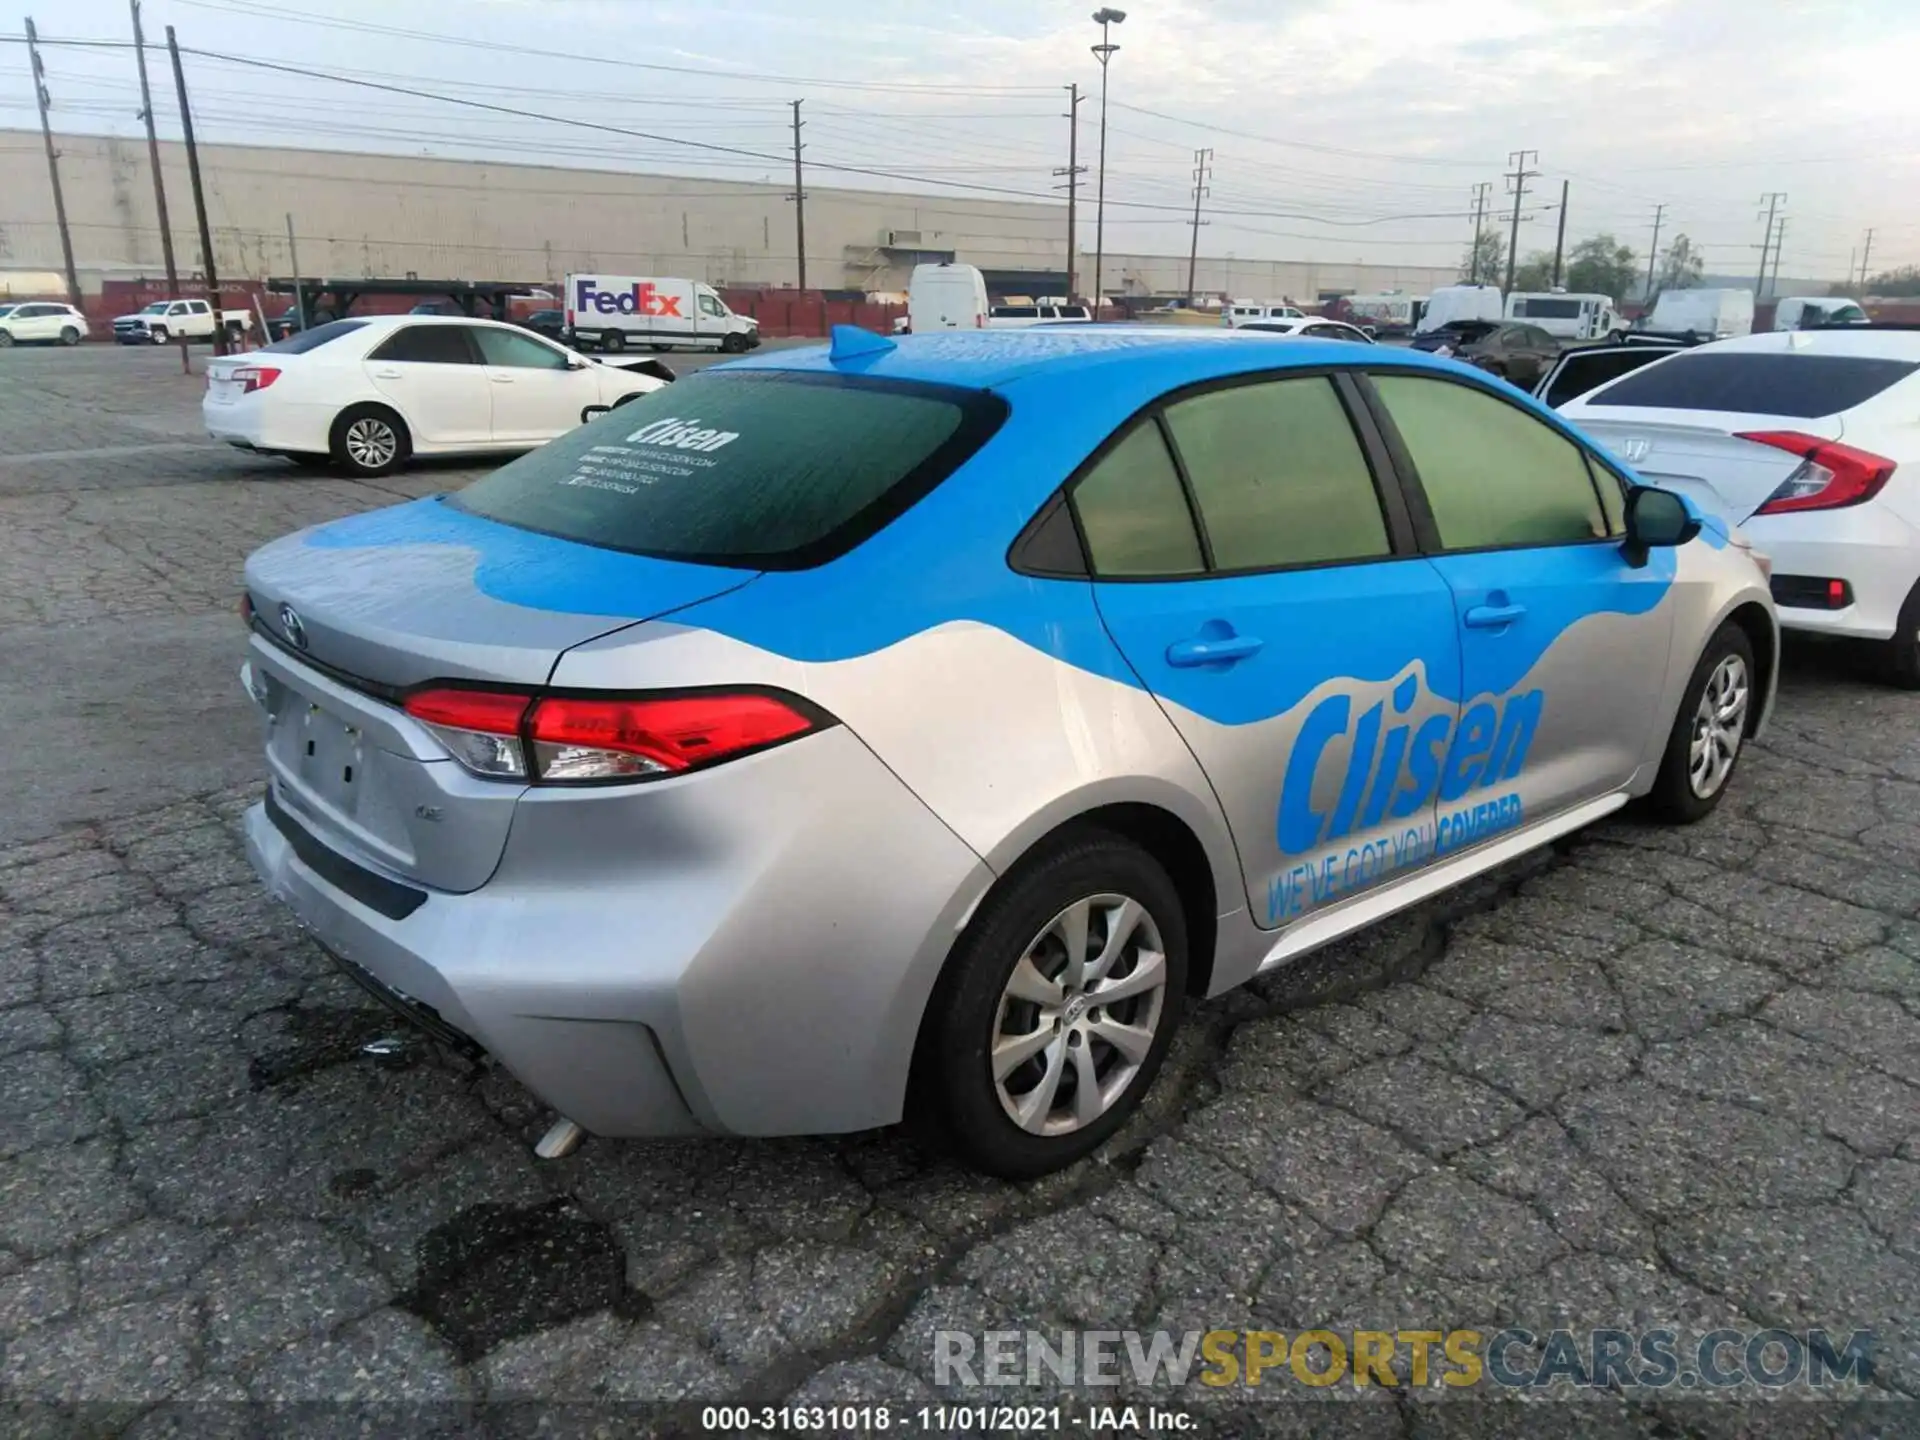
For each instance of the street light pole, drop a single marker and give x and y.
(1104, 18)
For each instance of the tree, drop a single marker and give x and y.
(1484, 260)
(1601, 265)
(1683, 268)
(1535, 272)
(1904, 281)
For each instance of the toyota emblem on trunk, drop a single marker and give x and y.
(290, 622)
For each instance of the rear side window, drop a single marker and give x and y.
(772, 471)
(1133, 512)
(1278, 475)
(1494, 476)
(301, 341)
(1802, 385)
(428, 345)
(1585, 370)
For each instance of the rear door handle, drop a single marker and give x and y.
(1493, 617)
(501, 379)
(1186, 654)
(389, 375)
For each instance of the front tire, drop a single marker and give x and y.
(1710, 730)
(157, 335)
(734, 345)
(369, 440)
(1055, 1011)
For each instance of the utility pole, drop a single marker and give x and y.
(153, 156)
(1653, 251)
(53, 163)
(1779, 244)
(199, 195)
(1105, 17)
(1202, 160)
(1865, 252)
(799, 198)
(299, 290)
(1772, 201)
(1517, 178)
(1560, 240)
(1479, 214)
(1073, 172)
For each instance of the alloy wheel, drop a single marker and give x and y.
(371, 443)
(1078, 1015)
(1719, 725)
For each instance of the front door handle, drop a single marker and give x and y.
(501, 379)
(1186, 654)
(1493, 617)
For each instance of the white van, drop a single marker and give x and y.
(1017, 316)
(615, 311)
(1705, 314)
(1802, 312)
(1564, 316)
(1245, 312)
(946, 296)
(1462, 302)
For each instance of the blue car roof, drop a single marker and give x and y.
(1175, 355)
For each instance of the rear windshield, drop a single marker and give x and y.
(301, 341)
(769, 470)
(1803, 386)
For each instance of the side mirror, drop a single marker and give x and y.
(1656, 517)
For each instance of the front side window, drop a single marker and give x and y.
(1494, 476)
(1133, 512)
(1278, 475)
(710, 306)
(427, 345)
(512, 350)
(772, 471)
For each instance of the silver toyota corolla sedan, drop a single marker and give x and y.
(922, 725)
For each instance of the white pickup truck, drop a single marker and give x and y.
(166, 320)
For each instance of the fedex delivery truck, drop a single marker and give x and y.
(615, 311)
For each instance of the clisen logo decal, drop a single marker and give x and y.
(1394, 771)
(642, 299)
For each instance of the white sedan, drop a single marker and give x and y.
(1806, 440)
(366, 394)
(1310, 327)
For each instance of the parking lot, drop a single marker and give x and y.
(1649, 1077)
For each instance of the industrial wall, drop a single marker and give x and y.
(360, 215)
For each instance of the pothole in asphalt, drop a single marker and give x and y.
(494, 1272)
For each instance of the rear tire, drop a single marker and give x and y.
(1009, 981)
(1900, 656)
(69, 336)
(1709, 732)
(369, 440)
(236, 334)
(6, 339)
(613, 342)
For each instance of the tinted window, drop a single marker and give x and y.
(1133, 512)
(1585, 370)
(1759, 384)
(509, 348)
(301, 341)
(1542, 307)
(1017, 312)
(428, 345)
(1278, 475)
(772, 471)
(1493, 474)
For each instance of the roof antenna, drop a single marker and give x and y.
(850, 342)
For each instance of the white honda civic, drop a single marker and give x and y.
(1809, 441)
(366, 394)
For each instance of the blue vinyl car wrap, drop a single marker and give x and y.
(1320, 741)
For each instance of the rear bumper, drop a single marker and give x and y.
(1868, 546)
(278, 428)
(744, 951)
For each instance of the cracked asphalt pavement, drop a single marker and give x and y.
(1647, 1077)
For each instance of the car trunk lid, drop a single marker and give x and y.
(350, 616)
(1703, 457)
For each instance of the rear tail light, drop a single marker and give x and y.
(1829, 476)
(572, 739)
(255, 377)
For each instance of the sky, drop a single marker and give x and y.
(1338, 129)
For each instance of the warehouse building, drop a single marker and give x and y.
(363, 214)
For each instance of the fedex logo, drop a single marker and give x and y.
(643, 299)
